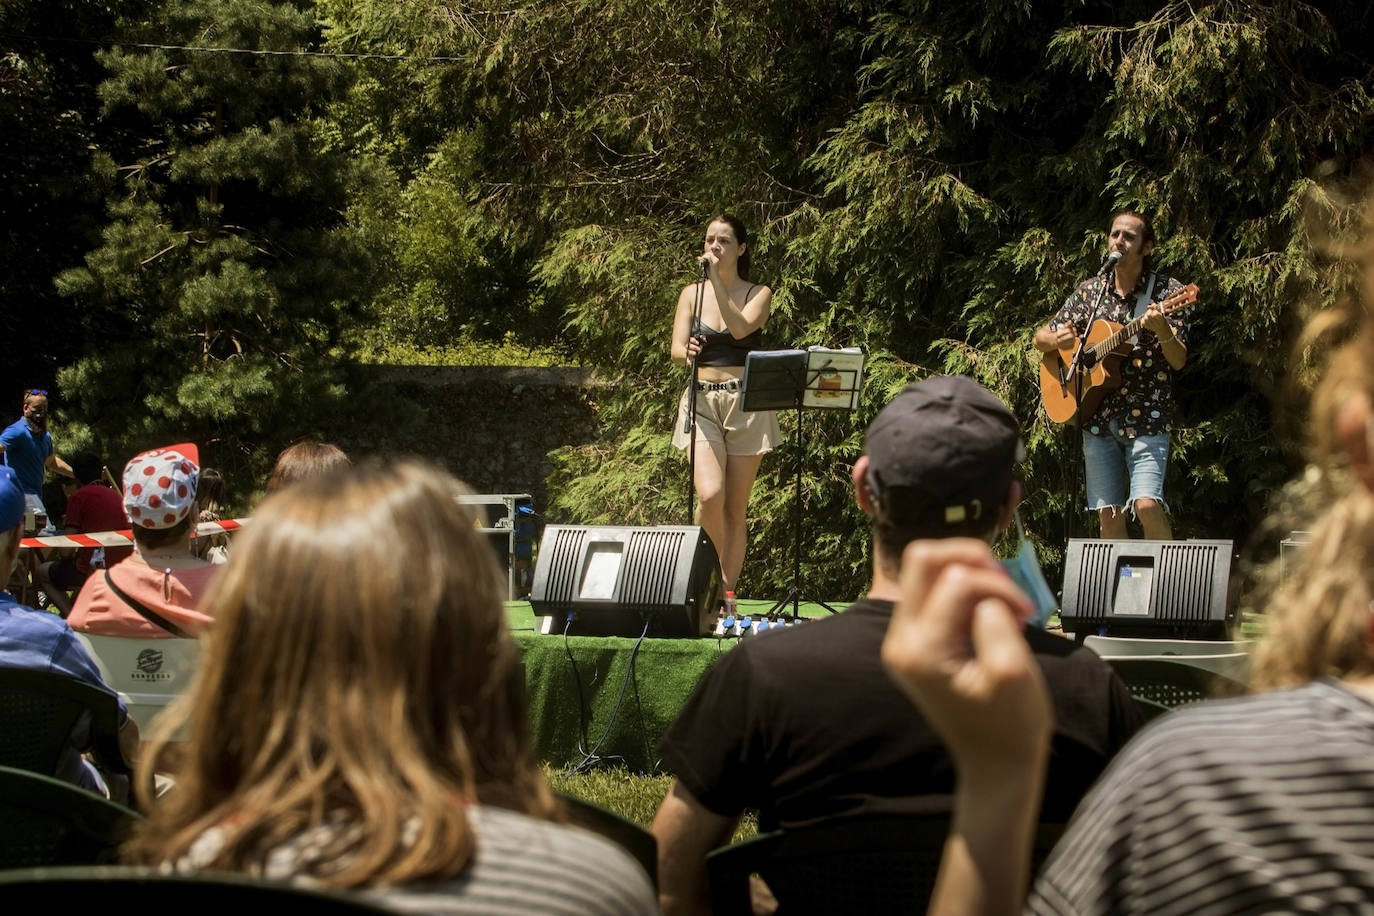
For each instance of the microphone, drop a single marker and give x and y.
(1109, 264)
(705, 266)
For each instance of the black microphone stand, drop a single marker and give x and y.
(1088, 360)
(692, 402)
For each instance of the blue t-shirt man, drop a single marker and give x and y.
(26, 447)
(27, 451)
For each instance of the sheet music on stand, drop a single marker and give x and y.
(818, 377)
(833, 378)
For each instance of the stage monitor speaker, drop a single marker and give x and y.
(1146, 588)
(614, 580)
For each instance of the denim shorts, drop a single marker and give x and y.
(1107, 461)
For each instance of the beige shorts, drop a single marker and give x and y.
(720, 420)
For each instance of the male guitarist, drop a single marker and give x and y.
(1127, 438)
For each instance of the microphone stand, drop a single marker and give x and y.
(1089, 361)
(692, 403)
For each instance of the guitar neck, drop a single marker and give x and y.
(1102, 348)
(1179, 300)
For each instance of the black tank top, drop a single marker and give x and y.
(722, 348)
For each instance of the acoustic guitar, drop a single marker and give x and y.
(1107, 344)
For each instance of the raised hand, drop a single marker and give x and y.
(955, 647)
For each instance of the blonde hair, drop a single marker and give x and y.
(1318, 619)
(359, 673)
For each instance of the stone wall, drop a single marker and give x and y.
(492, 426)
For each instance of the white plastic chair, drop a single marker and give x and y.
(147, 673)
(1228, 659)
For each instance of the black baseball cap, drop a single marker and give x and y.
(941, 456)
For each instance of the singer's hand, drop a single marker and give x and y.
(710, 262)
(694, 345)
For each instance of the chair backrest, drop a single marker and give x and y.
(1228, 659)
(1123, 646)
(42, 713)
(107, 888)
(51, 822)
(148, 673)
(1150, 709)
(634, 839)
(1173, 682)
(872, 864)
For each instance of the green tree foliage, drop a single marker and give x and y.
(924, 180)
(226, 274)
(450, 268)
(50, 209)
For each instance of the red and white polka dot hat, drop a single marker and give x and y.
(160, 485)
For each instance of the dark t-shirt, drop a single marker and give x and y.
(804, 725)
(95, 507)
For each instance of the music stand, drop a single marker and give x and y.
(793, 380)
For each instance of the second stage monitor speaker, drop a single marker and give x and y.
(1146, 588)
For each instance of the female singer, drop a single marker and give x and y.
(729, 442)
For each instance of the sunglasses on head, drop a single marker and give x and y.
(28, 392)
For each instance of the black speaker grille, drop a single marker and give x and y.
(563, 569)
(1095, 579)
(1183, 591)
(649, 564)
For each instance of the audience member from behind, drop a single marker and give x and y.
(305, 459)
(805, 725)
(156, 592)
(93, 507)
(38, 641)
(383, 745)
(1260, 804)
(210, 499)
(26, 446)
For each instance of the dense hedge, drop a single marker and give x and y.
(925, 180)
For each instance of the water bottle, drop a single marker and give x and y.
(729, 604)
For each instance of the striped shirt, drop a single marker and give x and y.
(1261, 804)
(522, 866)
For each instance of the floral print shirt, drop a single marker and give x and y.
(1143, 404)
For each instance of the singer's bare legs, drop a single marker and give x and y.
(723, 484)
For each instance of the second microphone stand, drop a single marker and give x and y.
(1083, 360)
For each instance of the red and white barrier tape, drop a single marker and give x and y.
(125, 537)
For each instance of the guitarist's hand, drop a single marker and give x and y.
(1156, 322)
(1047, 340)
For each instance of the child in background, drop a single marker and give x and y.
(210, 496)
